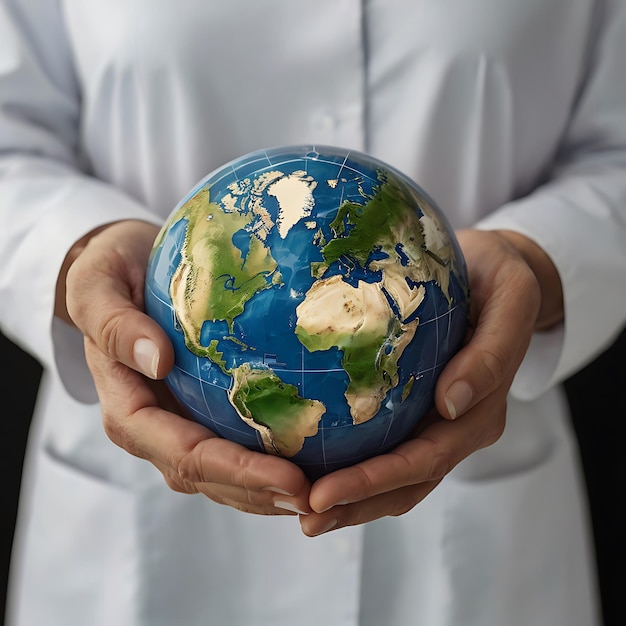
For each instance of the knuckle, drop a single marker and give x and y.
(363, 484)
(441, 465)
(244, 472)
(186, 466)
(175, 484)
(119, 434)
(525, 281)
(110, 332)
(494, 367)
(442, 461)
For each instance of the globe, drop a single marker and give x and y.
(313, 295)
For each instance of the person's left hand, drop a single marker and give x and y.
(100, 290)
(515, 290)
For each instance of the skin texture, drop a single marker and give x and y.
(515, 291)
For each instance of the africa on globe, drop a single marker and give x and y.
(313, 296)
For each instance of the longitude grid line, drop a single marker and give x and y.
(436, 318)
(437, 335)
(343, 165)
(217, 425)
(393, 414)
(269, 161)
(391, 421)
(206, 403)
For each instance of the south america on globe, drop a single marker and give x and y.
(313, 295)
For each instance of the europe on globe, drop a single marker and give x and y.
(313, 296)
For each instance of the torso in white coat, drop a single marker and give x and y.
(472, 100)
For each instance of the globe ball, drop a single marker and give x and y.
(313, 295)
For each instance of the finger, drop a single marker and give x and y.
(131, 404)
(394, 503)
(425, 458)
(198, 456)
(505, 301)
(263, 502)
(180, 447)
(104, 294)
(220, 463)
(257, 510)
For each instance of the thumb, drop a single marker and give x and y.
(475, 372)
(505, 300)
(104, 297)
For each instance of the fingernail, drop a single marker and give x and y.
(458, 398)
(282, 492)
(340, 503)
(328, 526)
(146, 356)
(288, 506)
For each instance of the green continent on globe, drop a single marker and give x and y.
(367, 323)
(274, 409)
(360, 323)
(214, 280)
(411, 248)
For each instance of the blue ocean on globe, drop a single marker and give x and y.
(313, 296)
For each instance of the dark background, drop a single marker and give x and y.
(597, 413)
(19, 381)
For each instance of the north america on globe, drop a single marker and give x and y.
(298, 282)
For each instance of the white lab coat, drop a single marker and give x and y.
(509, 113)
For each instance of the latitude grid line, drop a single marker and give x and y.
(303, 371)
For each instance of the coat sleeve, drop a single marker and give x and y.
(48, 200)
(579, 218)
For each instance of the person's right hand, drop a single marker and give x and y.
(101, 290)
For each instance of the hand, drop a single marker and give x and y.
(101, 291)
(515, 290)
